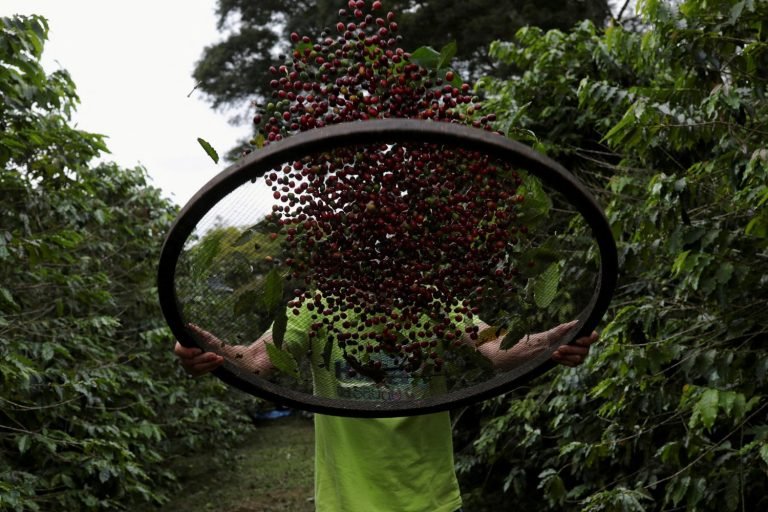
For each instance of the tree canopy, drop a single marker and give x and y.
(235, 70)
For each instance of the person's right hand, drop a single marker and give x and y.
(194, 361)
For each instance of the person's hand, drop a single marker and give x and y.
(574, 354)
(194, 361)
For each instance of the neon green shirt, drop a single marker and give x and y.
(385, 464)
(376, 464)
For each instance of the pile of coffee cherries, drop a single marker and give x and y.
(394, 242)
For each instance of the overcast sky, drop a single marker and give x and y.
(132, 63)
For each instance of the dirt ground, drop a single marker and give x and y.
(272, 471)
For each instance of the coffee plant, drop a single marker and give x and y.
(93, 407)
(667, 124)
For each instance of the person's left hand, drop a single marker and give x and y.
(575, 354)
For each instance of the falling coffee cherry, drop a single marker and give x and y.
(405, 238)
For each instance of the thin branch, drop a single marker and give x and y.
(708, 450)
(621, 11)
(22, 407)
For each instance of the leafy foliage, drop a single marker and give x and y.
(222, 277)
(92, 404)
(667, 125)
(232, 71)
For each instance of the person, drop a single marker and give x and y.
(382, 464)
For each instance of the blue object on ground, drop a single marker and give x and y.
(272, 415)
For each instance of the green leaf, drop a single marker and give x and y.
(546, 253)
(206, 252)
(736, 10)
(279, 326)
(209, 149)
(764, 453)
(509, 341)
(545, 286)
(47, 352)
(518, 331)
(273, 290)
(669, 453)
(552, 485)
(537, 203)
(8, 298)
(327, 347)
(447, 53)
(426, 57)
(680, 263)
(282, 360)
(23, 443)
(705, 410)
(679, 488)
(301, 46)
(732, 403)
(724, 273)
(614, 135)
(758, 226)
(696, 492)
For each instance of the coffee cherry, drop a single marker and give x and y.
(398, 233)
